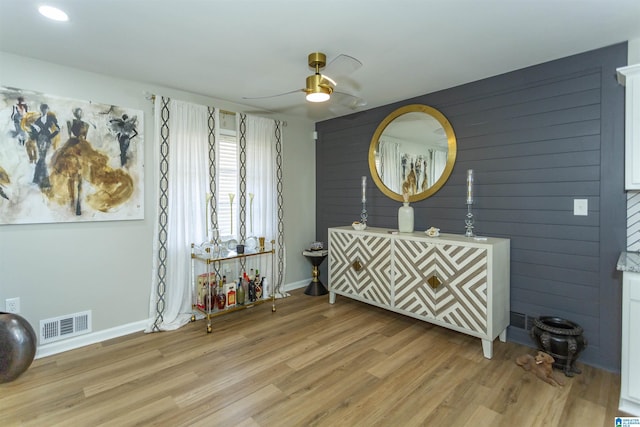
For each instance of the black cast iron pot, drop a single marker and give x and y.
(562, 339)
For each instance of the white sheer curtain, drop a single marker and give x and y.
(182, 167)
(391, 165)
(261, 180)
(262, 190)
(438, 163)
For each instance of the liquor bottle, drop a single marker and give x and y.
(252, 291)
(221, 298)
(231, 295)
(240, 293)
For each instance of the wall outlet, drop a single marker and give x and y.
(12, 305)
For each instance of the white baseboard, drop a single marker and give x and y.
(629, 406)
(297, 285)
(118, 331)
(91, 338)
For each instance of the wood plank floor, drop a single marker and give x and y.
(308, 364)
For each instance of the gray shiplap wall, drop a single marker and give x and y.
(537, 139)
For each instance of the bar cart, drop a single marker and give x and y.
(207, 261)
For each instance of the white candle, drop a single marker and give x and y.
(364, 189)
(470, 186)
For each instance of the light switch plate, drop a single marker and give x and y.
(581, 207)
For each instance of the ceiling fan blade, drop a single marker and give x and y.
(273, 96)
(348, 100)
(341, 66)
(326, 80)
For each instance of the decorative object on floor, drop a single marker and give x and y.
(469, 220)
(17, 346)
(315, 257)
(68, 160)
(562, 339)
(405, 216)
(363, 214)
(433, 232)
(541, 365)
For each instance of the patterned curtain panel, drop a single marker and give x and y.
(260, 157)
(186, 156)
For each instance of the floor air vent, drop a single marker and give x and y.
(518, 320)
(63, 327)
(521, 320)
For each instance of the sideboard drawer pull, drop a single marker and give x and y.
(434, 282)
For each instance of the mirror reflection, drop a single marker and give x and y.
(412, 152)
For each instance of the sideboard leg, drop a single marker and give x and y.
(487, 348)
(503, 335)
(332, 297)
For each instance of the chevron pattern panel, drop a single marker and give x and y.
(372, 280)
(461, 297)
(414, 264)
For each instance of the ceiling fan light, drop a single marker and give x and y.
(320, 96)
(317, 92)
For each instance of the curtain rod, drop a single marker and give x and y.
(152, 97)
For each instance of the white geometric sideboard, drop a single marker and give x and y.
(452, 281)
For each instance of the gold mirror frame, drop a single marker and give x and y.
(451, 153)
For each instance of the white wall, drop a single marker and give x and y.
(106, 267)
(633, 53)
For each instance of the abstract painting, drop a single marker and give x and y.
(65, 160)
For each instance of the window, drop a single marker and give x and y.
(227, 183)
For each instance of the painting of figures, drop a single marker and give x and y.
(64, 160)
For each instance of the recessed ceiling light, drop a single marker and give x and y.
(53, 13)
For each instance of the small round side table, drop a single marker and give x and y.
(315, 287)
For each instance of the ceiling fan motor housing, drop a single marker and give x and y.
(315, 81)
(317, 90)
(317, 60)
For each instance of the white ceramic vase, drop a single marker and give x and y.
(405, 218)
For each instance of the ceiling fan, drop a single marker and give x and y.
(320, 87)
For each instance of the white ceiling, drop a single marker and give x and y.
(230, 49)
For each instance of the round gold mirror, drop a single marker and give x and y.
(412, 151)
